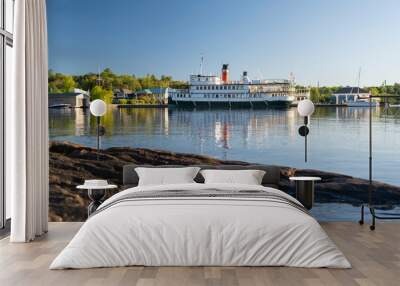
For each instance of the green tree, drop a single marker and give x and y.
(68, 84)
(98, 92)
(315, 95)
(374, 91)
(59, 82)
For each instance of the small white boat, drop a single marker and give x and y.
(394, 105)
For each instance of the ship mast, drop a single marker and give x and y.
(201, 65)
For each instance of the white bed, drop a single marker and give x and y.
(202, 231)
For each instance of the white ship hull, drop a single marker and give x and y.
(265, 101)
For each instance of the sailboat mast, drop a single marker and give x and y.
(358, 83)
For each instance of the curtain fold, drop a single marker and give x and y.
(28, 124)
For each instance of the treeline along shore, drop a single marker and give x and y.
(103, 84)
(71, 164)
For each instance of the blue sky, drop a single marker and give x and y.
(317, 40)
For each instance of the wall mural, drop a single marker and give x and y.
(229, 116)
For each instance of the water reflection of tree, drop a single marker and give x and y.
(61, 121)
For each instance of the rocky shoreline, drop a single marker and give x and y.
(71, 164)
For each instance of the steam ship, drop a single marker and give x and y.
(211, 90)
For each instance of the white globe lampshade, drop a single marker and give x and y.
(98, 107)
(305, 107)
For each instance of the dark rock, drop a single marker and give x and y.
(71, 164)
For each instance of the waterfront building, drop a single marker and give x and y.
(349, 93)
(158, 93)
(76, 99)
(122, 93)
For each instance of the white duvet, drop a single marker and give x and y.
(193, 231)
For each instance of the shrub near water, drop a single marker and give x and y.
(143, 100)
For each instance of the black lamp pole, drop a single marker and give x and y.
(305, 137)
(303, 131)
(98, 108)
(98, 136)
(372, 210)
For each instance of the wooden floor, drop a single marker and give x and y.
(375, 257)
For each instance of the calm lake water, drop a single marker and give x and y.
(338, 139)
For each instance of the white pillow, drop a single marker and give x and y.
(248, 177)
(166, 176)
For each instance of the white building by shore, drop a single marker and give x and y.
(77, 99)
(349, 93)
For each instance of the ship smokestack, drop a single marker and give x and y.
(225, 73)
(245, 78)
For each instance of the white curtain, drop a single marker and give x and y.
(27, 124)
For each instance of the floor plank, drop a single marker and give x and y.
(375, 257)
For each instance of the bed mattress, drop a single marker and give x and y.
(201, 225)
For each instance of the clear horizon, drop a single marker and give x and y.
(318, 41)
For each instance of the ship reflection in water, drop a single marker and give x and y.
(338, 139)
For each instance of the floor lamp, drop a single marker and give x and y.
(305, 109)
(370, 205)
(98, 108)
